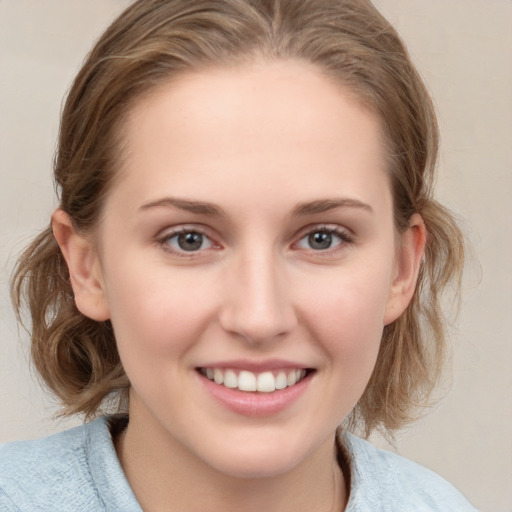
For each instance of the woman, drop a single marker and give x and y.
(245, 265)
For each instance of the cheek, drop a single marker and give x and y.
(347, 317)
(157, 314)
(346, 321)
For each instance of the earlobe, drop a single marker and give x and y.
(84, 268)
(409, 258)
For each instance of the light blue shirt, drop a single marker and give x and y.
(78, 470)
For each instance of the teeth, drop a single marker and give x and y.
(246, 381)
(230, 380)
(218, 376)
(281, 381)
(291, 379)
(265, 382)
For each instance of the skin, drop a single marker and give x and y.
(257, 143)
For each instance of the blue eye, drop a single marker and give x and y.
(188, 241)
(322, 240)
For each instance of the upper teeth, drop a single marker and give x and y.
(244, 380)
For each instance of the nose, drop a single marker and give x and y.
(257, 303)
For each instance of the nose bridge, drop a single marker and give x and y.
(258, 305)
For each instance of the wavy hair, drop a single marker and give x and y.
(153, 41)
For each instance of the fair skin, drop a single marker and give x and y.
(250, 230)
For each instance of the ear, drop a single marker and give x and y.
(409, 257)
(84, 267)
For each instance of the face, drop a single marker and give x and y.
(248, 261)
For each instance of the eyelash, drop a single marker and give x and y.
(164, 241)
(345, 237)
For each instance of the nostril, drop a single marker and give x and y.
(258, 325)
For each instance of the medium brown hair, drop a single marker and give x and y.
(153, 41)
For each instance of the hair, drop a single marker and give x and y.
(154, 41)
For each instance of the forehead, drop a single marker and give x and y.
(267, 124)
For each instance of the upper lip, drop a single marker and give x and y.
(256, 366)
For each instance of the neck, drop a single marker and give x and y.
(164, 474)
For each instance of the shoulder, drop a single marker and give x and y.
(36, 473)
(387, 482)
(65, 471)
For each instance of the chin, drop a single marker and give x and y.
(255, 468)
(250, 460)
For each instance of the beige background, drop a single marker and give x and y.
(464, 50)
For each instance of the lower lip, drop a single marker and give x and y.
(254, 403)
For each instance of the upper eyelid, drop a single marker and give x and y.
(346, 235)
(171, 231)
(162, 242)
(334, 228)
(184, 228)
(168, 233)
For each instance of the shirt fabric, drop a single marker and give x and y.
(78, 470)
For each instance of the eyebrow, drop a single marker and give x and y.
(325, 205)
(198, 207)
(211, 210)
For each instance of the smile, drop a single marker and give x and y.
(264, 382)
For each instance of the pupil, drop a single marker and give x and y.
(320, 240)
(190, 241)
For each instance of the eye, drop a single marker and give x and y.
(323, 239)
(188, 241)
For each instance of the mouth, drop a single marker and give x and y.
(255, 382)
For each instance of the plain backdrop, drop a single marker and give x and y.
(463, 49)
